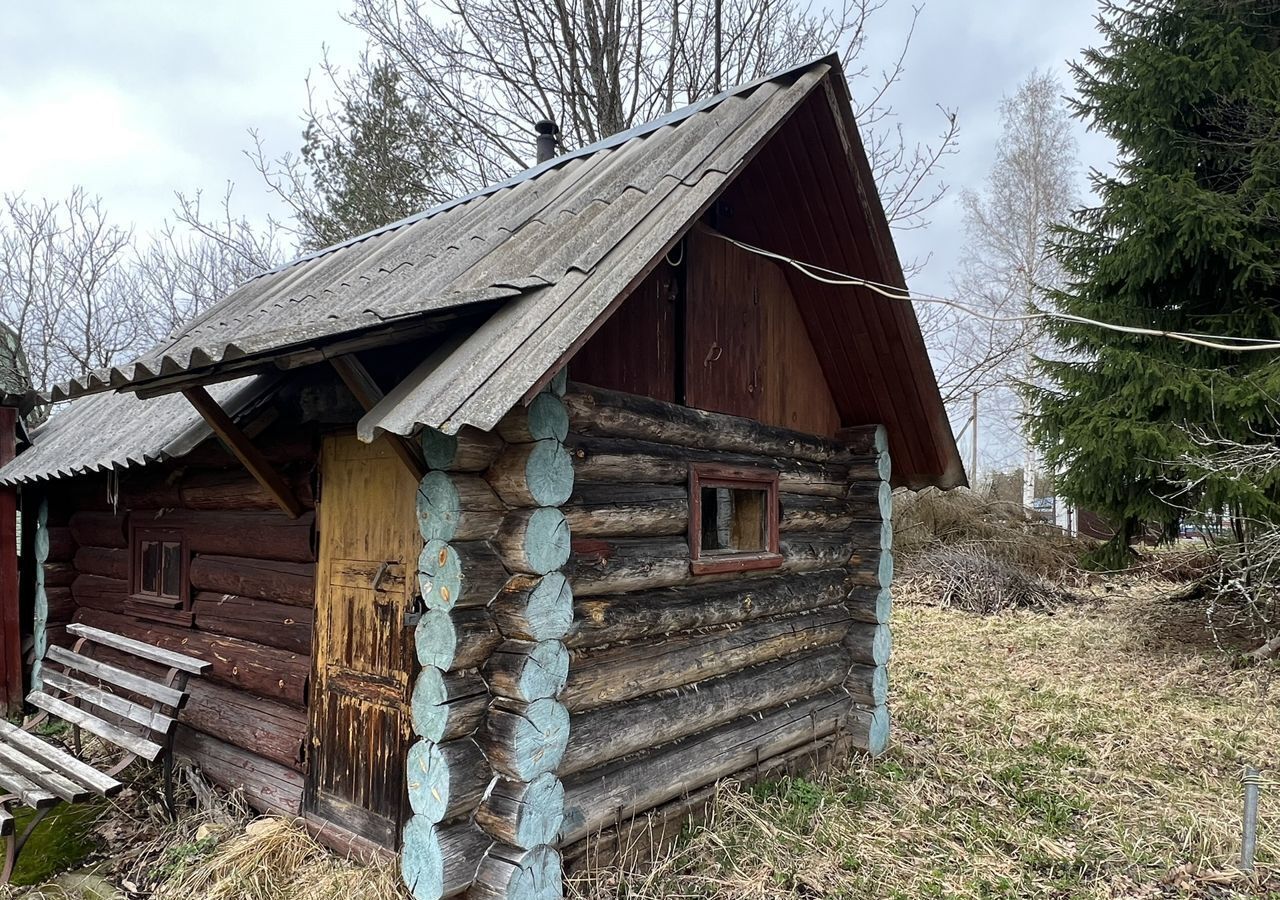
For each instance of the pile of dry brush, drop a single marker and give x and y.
(958, 549)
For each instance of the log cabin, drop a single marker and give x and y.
(514, 526)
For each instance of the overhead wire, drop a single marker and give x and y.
(833, 277)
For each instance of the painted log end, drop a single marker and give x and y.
(439, 575)
(884, 571)
(438, 507)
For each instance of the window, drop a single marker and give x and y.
(158, 570)
(733, 519)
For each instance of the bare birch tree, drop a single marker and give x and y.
(1005, 266)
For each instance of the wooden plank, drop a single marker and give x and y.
(36, 771)
(139, 746)
(367, 393)
(134, 712)
(119, 677)
(10, 620)
(235, 439)
(59, 760)
(167, 658)
(27, 790)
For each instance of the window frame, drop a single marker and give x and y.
(710, 475)
(158, 603)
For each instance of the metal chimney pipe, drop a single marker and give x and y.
(547, 131)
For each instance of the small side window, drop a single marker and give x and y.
(733, 519)
(158, 568)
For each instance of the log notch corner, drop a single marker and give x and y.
(491, 730)
(869, 641)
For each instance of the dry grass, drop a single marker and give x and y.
(274, 859)
(928, 519)
(1092, 753)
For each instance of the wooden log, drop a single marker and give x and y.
(455, 639)
(273, 730)
(632, 670)
(440, 861)
(457, 507)
(536, 474)
(525, 740)
(620, 790)
(869, 644)
(809, 512)
(509, 873)
(445, 707)
(59, 574)
(613, 413)
(281, 625)
(634, 510)
(533, 541)
(269, 786)
(868, 685)
(458, 575)
(617, 565)
(625, 565)
(612, 732)
(244, 533)
(470, 450)
(531, 608)
(523, 813)
(60, 606)
(96, 592)
(109, 563)
(446, 780)
(870, 604)
(869, 728)
(61, 544)
(257, 668)
(527, 671)
(99, 529)
(624, 617)
(614, 461)
(261, 579)
(237, 490)
(544, 418)
(285, 444)
(807, 551)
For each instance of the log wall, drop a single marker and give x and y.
(491, 730)
(677, 680)
(251, 580)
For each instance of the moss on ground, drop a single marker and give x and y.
(62, 841)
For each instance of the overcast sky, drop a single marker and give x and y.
(136, 99)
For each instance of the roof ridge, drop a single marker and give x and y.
(608, 143)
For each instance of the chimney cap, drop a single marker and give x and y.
(546, 126)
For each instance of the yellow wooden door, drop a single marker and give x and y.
(369, 544)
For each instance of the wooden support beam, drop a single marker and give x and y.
(239, 444)
(367, 393)
(10, 625)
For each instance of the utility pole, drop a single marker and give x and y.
(973, 454)
(717, 85)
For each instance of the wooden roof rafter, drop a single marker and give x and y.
(239, 444)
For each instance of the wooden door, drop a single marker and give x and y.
(362, 656)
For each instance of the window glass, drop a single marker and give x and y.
(171, 582)
(734, 520)
(149, 567)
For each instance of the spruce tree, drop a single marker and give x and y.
(1185, 237)
(376, 161)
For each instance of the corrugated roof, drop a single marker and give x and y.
(118, 431)
(534, 240)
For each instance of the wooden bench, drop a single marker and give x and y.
(133, 713)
